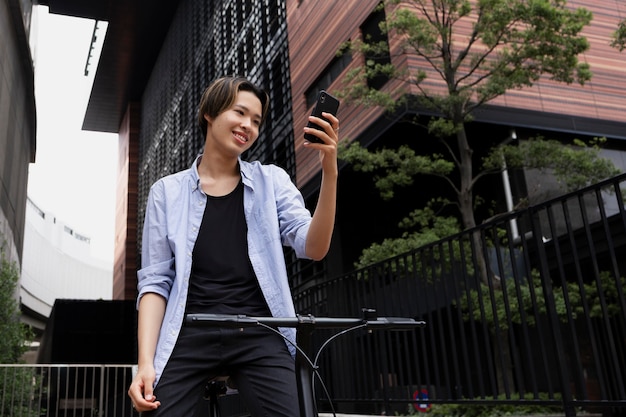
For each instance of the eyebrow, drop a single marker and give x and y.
(241, 106)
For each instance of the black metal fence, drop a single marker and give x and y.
(527, 309)
(65, 391)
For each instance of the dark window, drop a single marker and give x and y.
(330, 74)
(372, 34)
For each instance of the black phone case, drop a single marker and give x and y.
(325, 103)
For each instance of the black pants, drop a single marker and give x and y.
(256, 359)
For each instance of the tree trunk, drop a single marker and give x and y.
(466, 200)
(503, 363)
(466, 193)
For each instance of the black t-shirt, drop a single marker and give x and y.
(222, 279)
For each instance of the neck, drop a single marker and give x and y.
(217, 165)
(218, 176)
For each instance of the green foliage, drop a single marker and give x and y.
(512, 44)
(18, 382)
(13, 334)
(606, 289)
(500, 409)
(619, 37)
(574, 166)
(21, 388)
(526, 301)
(394, 167)
(424, 226)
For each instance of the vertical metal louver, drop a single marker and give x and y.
(208, 40)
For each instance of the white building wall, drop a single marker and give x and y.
(57, 263)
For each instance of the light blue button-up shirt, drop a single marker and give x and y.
(275, 214)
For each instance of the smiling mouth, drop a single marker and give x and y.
(240, 137)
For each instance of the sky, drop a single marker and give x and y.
(73, 176)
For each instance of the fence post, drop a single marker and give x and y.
(101, 399)
(382, 357)
(553, 319)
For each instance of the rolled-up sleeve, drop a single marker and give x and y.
(293, 217)
(157, 260)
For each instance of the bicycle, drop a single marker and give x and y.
(305, 325)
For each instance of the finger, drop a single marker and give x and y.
(134, 392)
(143, 405)
(332, 120)
(148, 393)
(323, 134)
(328, 129)
(319, 134)
(142, 396)
(322, 123)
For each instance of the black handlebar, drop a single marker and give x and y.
(236, 321)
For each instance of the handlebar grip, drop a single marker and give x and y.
(397, 323)
(220, 320)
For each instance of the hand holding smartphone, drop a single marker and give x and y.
(324, 103)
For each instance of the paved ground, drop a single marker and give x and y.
(526, 415)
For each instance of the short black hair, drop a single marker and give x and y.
(221, 94)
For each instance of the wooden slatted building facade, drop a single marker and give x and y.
(318, 28)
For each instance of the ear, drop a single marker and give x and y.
(208, 119)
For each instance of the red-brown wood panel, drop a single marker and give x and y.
(317, 29)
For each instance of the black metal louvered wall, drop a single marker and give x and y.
(209, 39)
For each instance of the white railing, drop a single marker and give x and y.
(65, 390)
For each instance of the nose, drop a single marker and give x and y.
(250, 125)
(246, 123)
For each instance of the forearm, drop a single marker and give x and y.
(323, 222)
(150, 318)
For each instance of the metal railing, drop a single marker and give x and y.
(533, 318)
(65, 391)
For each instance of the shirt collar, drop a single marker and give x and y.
(246, 172)
(194, 174)
(244, 167)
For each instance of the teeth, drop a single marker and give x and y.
(243, 138)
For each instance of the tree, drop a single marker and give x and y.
(13, 333)
(512, 44)
(18, 383)
(574, 165)
(619, 37)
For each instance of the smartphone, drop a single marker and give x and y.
(325, 103)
